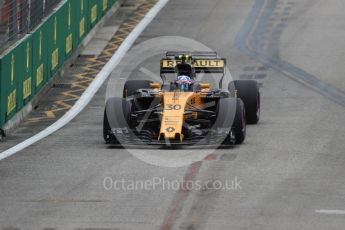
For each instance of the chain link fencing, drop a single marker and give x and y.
(18, 17)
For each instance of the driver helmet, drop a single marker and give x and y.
(184, 82)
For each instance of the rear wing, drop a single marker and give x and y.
(203, 62)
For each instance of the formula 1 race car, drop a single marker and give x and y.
(185, 110)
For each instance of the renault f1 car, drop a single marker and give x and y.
(186, 112)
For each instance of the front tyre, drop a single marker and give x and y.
(239, 125)
(116, 116)
(231, 116)
(107, 134)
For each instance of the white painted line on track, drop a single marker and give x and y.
(327, 211)
(93, 87)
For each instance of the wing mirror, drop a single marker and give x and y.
(205, 86)
(155, 86)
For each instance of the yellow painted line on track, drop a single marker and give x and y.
(50, 114)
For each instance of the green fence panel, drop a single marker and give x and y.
(68, 28)
(9, 87)
(94, 12)
(80, 12)
(106, 5)
(16, 78)
(10, 84)
(2, 103)
(62, 28)
(56, 42)
(39, 57)
(26, 70)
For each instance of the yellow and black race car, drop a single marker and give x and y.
(184, 110)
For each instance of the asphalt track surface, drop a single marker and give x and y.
(289, 172)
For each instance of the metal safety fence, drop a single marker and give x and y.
(18, 17)
(30, 63)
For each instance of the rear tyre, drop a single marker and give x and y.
(116, 116)
(133, 85)
(248, 91)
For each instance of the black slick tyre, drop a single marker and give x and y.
(248, 91)
(116, 116)
(239, 125)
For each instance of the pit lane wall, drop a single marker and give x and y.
(27, 66)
